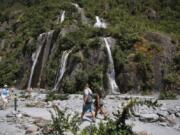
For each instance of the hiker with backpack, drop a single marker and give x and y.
(88, 102)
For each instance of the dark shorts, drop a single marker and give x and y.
(88, 107)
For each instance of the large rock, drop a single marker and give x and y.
(163, 113)
(177, 114)
(149, 117)
(172, 120)
(31, 129)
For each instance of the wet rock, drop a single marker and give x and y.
(149, 117)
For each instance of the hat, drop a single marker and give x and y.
(5, 86)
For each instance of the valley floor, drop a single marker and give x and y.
(34, 112)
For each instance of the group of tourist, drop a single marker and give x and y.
(90, 106)
(91, 102)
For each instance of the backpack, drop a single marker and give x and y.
(90, 97)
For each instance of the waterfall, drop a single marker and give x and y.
(62, 16)
(45, 55)
(62, 68)
(81, 12)
(77, 6)
(111, 73)
(99, 23)
(40, 58)
(35, 57)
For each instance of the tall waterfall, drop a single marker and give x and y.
(62, 68)
(45, 55)
(99, 23)
(40, 58)
(111, 73)
(35, 57)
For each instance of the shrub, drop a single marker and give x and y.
(167, 95)
(63, 122)
(51, 95)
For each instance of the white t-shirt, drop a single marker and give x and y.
(87, 91)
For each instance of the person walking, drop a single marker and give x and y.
(5, 95)
(88, 102)
(99, 106)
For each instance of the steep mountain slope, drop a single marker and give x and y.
(115, 45)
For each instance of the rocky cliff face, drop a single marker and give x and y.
(33, 46)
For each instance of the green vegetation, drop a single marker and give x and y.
(55, 96)
(23, 20)
(164, 95)
(62, 122)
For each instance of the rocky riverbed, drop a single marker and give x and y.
(33, 114)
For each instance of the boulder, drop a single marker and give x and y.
(40, 122)
(149, 117)
(163, 113)
(163, 124)
(10, 115)
(172, 120)
(31, 129)
(177, 114)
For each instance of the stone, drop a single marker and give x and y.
(31, 129)
(177, 114)
(163, 113)
(40, 122)
(68, 133)
(19, 115)
(162, 119)
(172, 119)
(10, 115)
(163, 124)
(149, 117)
(178, 108)
(172, 111)
(143, 133)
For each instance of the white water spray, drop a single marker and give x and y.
(99, 23)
